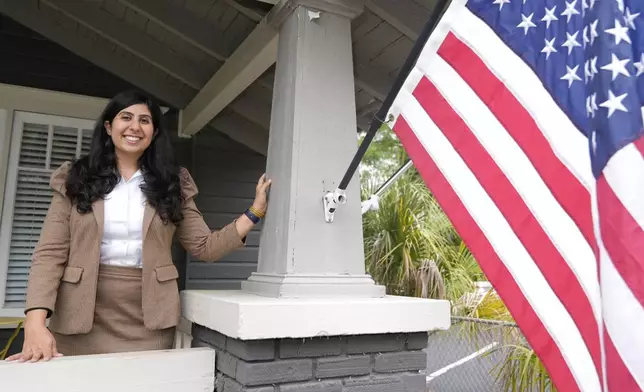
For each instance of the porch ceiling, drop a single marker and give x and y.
(172, 48)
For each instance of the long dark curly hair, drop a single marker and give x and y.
(95, 175)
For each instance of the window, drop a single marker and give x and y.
(40, 144)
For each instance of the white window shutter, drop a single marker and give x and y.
(64, 145)
(33, 196)
(43, 148)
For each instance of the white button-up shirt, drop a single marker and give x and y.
(122, 233)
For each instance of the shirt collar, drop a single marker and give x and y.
(137, 174)
(134, 176)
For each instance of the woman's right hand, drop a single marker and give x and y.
(39, 342)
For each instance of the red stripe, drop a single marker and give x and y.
(618, 377)
(524, 224)
(504, 283)
(565, 187)
(623, 238)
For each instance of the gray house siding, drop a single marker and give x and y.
(31, 60)
(226, 173)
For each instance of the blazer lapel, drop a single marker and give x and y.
(148, 214)
(98, 207)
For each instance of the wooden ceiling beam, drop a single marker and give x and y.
(90, 15)
(242, 131)
(184, 24)
(61, 29)
(408, 17)
(250, 13)
(249, 61)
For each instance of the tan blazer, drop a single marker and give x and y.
(64, 269)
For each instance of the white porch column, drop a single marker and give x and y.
(310, 304)
(312, 140)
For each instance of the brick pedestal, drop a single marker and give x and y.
(354, 363)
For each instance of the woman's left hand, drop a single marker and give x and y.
(261, 191)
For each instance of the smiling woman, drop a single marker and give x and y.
(102, 270)
(132, 129)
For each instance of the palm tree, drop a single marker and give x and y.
(411, 246)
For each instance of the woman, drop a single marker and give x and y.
(102, 270)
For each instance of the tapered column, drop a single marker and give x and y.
(312, 140)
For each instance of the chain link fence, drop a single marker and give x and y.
(466, 357)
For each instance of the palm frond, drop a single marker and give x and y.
(521, 370)
(409, 229)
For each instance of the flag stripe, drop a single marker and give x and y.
(503, 239)
(619, 378)
(629, 189)
(623, 239)
(513, 207)
(639, 143)
(568, 143)
(621, 212)
(623, 318)
(566, 188)
(615, 371)
(623, 353)
(482, 119)
(504, 283)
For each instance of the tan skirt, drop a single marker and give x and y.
(118, 318)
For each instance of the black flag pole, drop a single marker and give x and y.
(332, 199)
(372, 202)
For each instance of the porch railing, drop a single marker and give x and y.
(185, 370)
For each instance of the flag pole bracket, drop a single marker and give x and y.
(331, 201)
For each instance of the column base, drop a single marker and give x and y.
(353, 363)
(247, 316)
(312, 286)
(333, 344)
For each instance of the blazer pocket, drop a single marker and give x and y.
(166, 272)
(72, 274)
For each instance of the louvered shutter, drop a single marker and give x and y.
(44, 146)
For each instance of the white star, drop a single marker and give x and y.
(593, 31)
(584, 6)
(591, 105)
(614, 103)
(593, 67)
(571, 75)
(592, 3)
(549, 16)
(620, 33)
(549, 48)
(526, 23)
(588, 75)
(501, 3)
(617, 66)
(630, 18)
(571, 42)
(585, 35)
(640, 66)
(620, 5)
(593, 102)
(570, 10)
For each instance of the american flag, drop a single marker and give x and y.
(524, 118)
